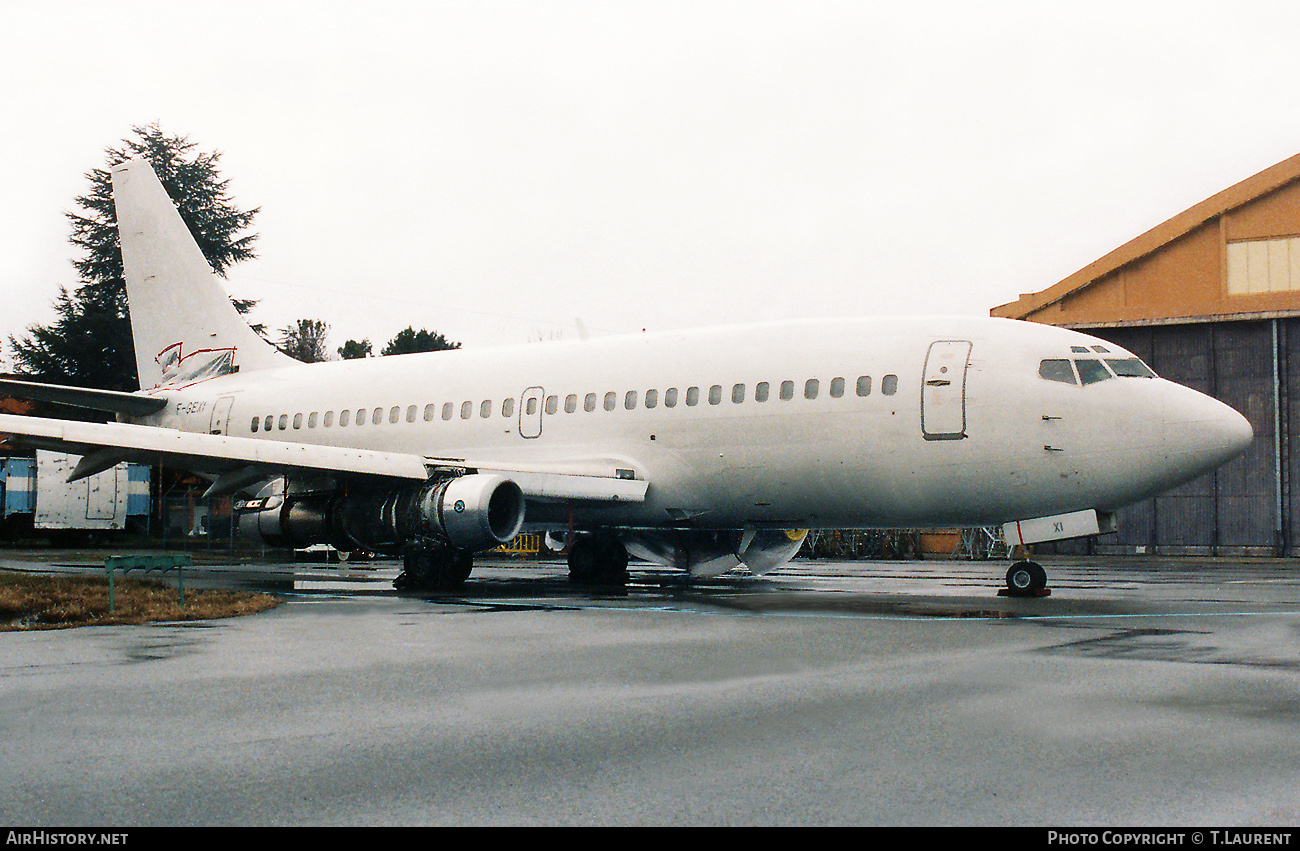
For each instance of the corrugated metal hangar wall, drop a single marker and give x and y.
(1236, 509)
(1210, 299)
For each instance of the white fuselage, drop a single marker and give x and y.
(887, 422)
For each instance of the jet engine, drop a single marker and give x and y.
(710, 553)
(470, 512)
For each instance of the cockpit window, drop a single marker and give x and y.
(1057, 370)
(1130, 368)
(1091, 371)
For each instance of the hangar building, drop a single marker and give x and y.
(1210, 299)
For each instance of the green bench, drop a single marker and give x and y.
(157, 561)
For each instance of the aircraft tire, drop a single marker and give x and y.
(434, 570)
(598, 560)
(1026, 577)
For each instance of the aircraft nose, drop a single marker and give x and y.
(1202, 432)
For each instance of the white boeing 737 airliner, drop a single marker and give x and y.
(701, 449)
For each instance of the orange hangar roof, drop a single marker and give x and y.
(1235, 255)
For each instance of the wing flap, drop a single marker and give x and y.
(564, 486)
(577, 478)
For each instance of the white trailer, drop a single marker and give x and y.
(40, 488)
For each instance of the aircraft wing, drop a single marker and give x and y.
(238, 462)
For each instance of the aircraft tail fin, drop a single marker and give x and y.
(185, 327)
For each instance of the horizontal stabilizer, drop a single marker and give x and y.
(131, 404)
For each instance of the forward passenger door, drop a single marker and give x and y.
(943, 390)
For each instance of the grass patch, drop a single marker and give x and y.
(59, 602)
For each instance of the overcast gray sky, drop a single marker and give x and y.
(495, 169)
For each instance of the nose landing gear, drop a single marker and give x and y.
(1026, 579)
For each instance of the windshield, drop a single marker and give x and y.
(1057, 369)
(1130, 368)
(1090, 370)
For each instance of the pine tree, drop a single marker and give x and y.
(90, 343)
(354, 350)
(410, 341)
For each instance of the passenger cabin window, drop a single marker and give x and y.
(611, 399)
(508, 407)
(811, 388)
(889, 385)
(864, 385)
(738, 393)
(692, 396)
(837, 388)
(670, 397)
(344, 418)
(761, 391)
(429, 410)
(651, 398)
(589, 402)
(787, 391)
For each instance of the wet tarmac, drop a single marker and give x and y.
(1143, 691)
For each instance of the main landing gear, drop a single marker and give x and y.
(597, 559)
(434, 567)
(1026, 579)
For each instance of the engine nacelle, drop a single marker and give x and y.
(471, 512)
(710, 553)
(771, 548)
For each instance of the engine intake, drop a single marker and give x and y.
(471, 512)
